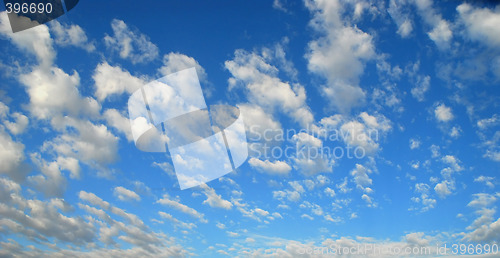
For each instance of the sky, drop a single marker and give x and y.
(369, 124)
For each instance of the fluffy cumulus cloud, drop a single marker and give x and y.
(364, 131)
(443, 113)
(168, 201)
(339, 55)
(440, 31)
(486, 227)
(114, 80)
(215, 200)
(65, 126)
(276, 167)
(12, 157)
(401, 17)
(53, 92)
(130, 44)
(480, 24)
(124, 194)
(264, 88)
(71, 35)
(91, 143)
(309, 158)
(174, 62)
(423, 85)
(36, 41)
(51, 220)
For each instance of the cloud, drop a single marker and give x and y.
(131, 45)
(40, 221)
(183, 208)
(365, 133)
(339, 55)
(360, 177)
(12, 157)
(414, 144)
(424, 199)
(176, 222)
(91, 143)
(175, 62)
(265, 89)
(487, 180)
(53, 92)
(310, 159)
(401, 17)
(484, 228)
(71, 35)
(36, 41)
(114, 80)
(443, 113)
(480, 24)
(124, 194)
(215, 200)
(330, 192)
(50, 182)
(276, 167)
(442, 189)
(280, 5)
(423, 85)
(440, 33)
(121, 123)
(488, 122)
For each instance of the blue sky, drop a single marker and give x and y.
(401, 96)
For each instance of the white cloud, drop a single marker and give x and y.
(36, 41)
(276, 167)
(453, 162)
(360, 177)
(487, 180)
(261, 212)
(424, 199)
(53, 92)
(480, 23)
(442, 189)
(91, 143)
(175, 221)
(131, 45)
(423, 85)
(455, 132)
(232, 234)
(20, 124)
(488, 122)
(400, 17)
(121, 123)
(50, 182)
(414, 144)
(339, 55)
(443, 113)
(440, 33)
(70, 164)
(310, 160)
(12, 157)
(71, 35)
(183, 208)
(124, 194)
(114, 80)
(484, 228)
(330, 192)
(280, 5)
(215, 200)
(265, 89)
(175, 62)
